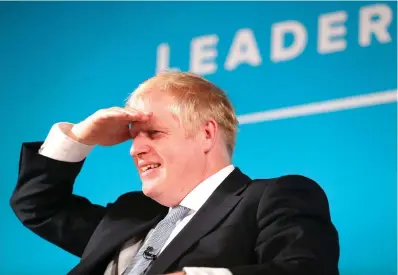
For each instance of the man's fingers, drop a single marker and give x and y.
(135, 116)
(129, 110)
(119, 113)
(133, 111)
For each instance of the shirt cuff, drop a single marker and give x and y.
(60, 147)
(206, 271)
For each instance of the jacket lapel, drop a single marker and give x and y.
(220, 204)
(113, 232)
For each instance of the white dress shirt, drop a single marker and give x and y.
(61, 147)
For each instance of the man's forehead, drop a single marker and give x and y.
(137, 103)
(158, 121)
(159, 104)
(151, 122)
(148, 101)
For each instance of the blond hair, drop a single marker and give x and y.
(196, 101)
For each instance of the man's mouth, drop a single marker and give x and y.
(149, 167)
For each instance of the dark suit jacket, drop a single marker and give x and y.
(268, 226)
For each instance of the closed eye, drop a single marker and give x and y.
(152, 133)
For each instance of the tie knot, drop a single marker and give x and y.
(176, 213)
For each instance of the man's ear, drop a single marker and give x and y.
(210, 131)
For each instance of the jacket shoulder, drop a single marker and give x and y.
(286, 186)
(285, 181)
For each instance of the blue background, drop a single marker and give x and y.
(63, 61)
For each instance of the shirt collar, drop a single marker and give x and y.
(199, 195)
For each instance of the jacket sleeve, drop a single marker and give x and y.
(44, 202)
(295, 232)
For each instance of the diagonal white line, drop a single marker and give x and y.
(321, 107)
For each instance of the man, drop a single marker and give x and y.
(197, 214)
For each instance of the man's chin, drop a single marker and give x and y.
(150, 188)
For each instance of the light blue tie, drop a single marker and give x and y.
(155, 242)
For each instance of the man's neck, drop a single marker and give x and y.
(202, 191)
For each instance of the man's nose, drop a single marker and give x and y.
(139, 146)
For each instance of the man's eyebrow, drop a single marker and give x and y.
(154, 123)
(142, 126)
